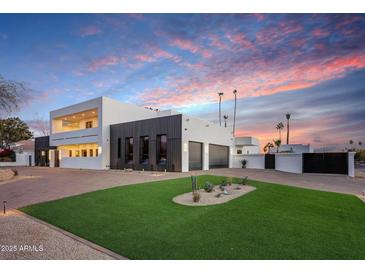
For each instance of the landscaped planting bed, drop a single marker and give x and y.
(273, 222)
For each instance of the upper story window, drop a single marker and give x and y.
(89, 124)
(75, 121)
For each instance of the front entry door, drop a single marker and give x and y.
(56, 158)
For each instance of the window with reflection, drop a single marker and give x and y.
(129, 150)
(161, 143)
(144, 149)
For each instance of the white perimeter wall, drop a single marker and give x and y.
(253, 161)
(204, 132)
(81, 162)
(22, 159)
(289, 162)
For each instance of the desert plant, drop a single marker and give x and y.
(194, 183)
(243, 163)
(196, 196)
(243, 181)
(208, 186)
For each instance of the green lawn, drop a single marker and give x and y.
(272, 222)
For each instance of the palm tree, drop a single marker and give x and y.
(225, 120)
(267, 147)
(287, 127)
(280, 127)
(220, 94)
(235, 108)
(277, 143)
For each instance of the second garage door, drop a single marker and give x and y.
(218, 156)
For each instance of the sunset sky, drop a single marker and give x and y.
(311, 65)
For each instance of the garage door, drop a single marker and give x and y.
(195, 156)
(218, 156)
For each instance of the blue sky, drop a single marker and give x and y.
(312, 65)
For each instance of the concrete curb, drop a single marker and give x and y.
(74, 237)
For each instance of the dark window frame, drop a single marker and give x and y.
(129, 146)
(119, 147)
(89, 124)
(144, 146)
(161, 150)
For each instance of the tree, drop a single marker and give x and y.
(40, 125)
(267, 147)
(280, 127)
(225, 117)
(220, 94)
(360, 143)
(13, 130)
(277, 143)
(235, 110)
(287, 127)
(11, 95)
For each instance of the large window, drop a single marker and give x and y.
(161, 149)
(129, 150)
(144, 148)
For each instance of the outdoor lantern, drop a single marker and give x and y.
(4, 203)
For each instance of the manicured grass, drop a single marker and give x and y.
(272, 222)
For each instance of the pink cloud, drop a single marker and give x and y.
(263, 81)
(318, 32)
(155, 54)
(90, 30)
(100, 63)
(190, 46)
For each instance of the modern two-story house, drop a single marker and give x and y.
(104, 133)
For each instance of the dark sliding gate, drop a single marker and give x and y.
(270, 161)
(333, 163)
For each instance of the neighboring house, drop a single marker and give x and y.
(246, 145)
(103, 133)
(293, 148)
(24, 153)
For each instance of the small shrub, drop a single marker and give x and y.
(244, 163)
(243, 181)
(196, 196)
(208, 186)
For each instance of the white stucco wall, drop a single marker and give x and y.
(197, 130)
(81, 162)
(253, 161)
(115, 112)
(247, 149)
(289, 162)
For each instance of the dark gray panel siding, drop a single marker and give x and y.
(169, 125)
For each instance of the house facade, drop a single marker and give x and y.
(103, 133)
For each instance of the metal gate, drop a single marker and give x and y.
(269, 161)
(333, 163)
